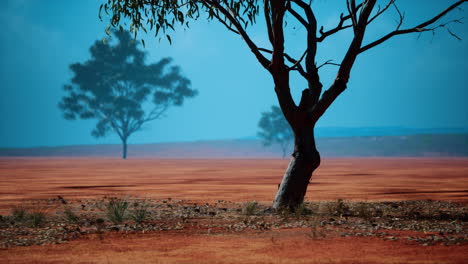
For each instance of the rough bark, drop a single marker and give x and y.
(305, 159)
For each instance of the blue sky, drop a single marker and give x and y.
(406, 82)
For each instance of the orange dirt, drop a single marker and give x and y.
(287, 246)
(231, 180)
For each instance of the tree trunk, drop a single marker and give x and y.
(304, 161)
(124, 149)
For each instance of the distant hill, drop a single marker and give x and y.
(360, 146)
(384, 131)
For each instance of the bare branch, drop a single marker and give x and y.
(278, 9)
(419, 28)
(297, 67)
(352, 12)
(339, 27)
(266, 10)
(401, 17)
(339, 85)
(453, 34)
(311, 95)
(298, 17)
(328, 62)
(379, 12)
(298, 62)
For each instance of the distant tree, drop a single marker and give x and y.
(275, 56)
(274, 129)
(118, 89)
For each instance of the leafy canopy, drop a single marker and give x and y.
(163, 15)
(274, 129)
(118, 89)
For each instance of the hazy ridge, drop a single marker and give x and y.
(425, 145)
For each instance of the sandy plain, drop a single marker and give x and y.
(236, 180)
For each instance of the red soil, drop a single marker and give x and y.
(232, 180)
(287, 246)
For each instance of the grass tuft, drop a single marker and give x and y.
(37, 218)
(70, 216)
(116, 210)
(139, 212)
(19, 213)
(250, 208)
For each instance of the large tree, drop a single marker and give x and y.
(236, 16)
(274, 129)
(118, 89)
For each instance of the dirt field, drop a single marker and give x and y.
(207, 181)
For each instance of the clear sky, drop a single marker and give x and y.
(406, 82)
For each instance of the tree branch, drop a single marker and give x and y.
(315, 86)
(339, 27)
(263, 61)
(155, 113)
(278, 8)
(352, 10)
(229, 27)
(298, 62)
(379, 12)
(298, 66)
(339, 85)
(298, 17)
(328, 62)
(267, 11)
(419, 28)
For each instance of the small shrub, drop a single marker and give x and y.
(3, 220)
(342, 208)
(413, 210)
(70, 216)
(139, 212)
(364, 210)
(19, 213)
(37, 218)
(250, 208)
(116, 210)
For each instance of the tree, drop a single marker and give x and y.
(275, 129)
(118, 89)
(236, 16)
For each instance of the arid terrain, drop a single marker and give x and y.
(358, 210)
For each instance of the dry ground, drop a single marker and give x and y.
(207, 181)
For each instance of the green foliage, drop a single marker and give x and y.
(70, 215)
(164, 15)
(250, 208)
(19, 213)
(119, 90)
(274, 129)
(37, 218)
(116, 210)
(139, 212)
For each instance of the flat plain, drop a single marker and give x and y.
(237, 181)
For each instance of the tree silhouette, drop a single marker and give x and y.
(120, 91)
(274, 129)
(237, 16)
